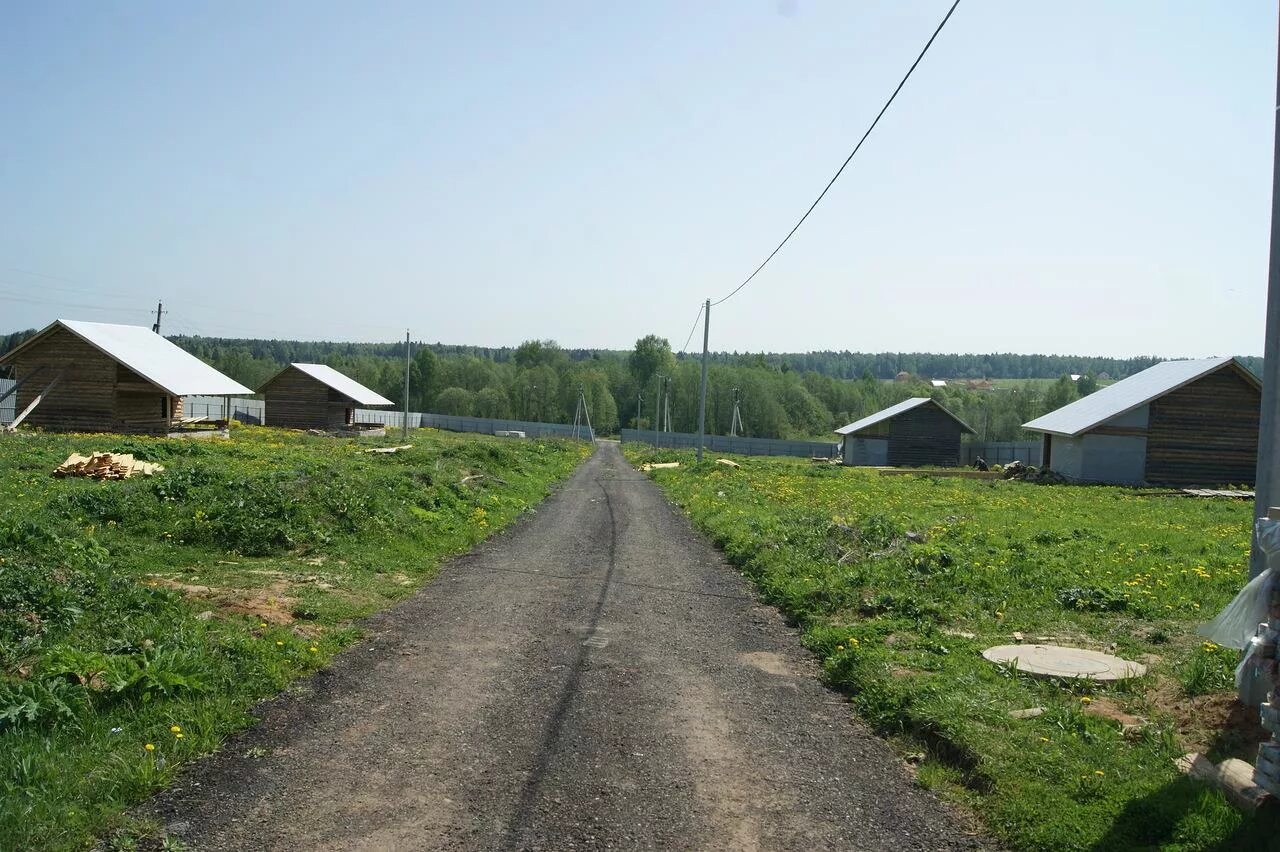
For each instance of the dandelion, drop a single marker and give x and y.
(1084, 699)
(179, 735)
(175, 729)
(1099, 772)
(150, 747)
(1044, 739)
(313, 649)
(279, 642)
(839, 647)
(262, 624)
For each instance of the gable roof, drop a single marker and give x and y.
(339, 382)
(1127, 394)
(893, 411)
(146, 353)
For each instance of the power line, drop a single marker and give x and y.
(692, 329)
(840, 171)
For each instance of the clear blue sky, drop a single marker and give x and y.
(1077, 178)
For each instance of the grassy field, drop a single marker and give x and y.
(141, 619)
(900, 582)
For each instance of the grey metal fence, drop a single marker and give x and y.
(739, 445)
(1001, 452)
(487, 426)
(8, 405)
(244, 410)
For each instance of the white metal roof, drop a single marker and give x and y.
(149, 355)
(1127, 394)
(893, 411)
(343, 384)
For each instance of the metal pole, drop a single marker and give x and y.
(406, 384)
(1268, 436)
(159, 311)
(657, 409)
(702, 395)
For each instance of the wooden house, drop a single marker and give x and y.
(315, 396)
(100, 377)
(917, 432)
(1189, 422)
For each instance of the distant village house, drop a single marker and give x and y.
(100, 377)
(917, 432)
(1177, 423)
(315, 396)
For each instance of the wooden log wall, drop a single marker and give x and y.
(97, 394)
(1205, 433)
(924, 436)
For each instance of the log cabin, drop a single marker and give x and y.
(76, 376)
(917, 432)
(1182, 423)
(315, 396)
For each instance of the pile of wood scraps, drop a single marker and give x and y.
(106, 466)
(385, 450)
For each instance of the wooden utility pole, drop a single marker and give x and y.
(160, 311)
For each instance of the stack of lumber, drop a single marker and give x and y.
(105, 466)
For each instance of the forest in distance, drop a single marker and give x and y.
(780, 395)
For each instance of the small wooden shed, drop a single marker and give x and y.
(315, 396)
(1192, 422)
(78, 376)
(917, 432)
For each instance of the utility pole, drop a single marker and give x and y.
(702, 395)
(657, 413)
(406, 384)
(639, 403)
(1268, 436)
(160, 311)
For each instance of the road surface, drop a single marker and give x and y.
(596, 677)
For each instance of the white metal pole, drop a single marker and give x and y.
(1268, 436)
(406, 384)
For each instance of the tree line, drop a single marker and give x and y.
(789, 395)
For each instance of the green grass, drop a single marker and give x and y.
(159, 610)
(899, 583)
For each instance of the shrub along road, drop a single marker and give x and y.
(595, 677)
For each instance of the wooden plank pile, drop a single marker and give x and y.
(105, 466)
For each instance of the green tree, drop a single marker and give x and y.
(1060, 393)
(491, 402)
(457, 401)
(652, 355)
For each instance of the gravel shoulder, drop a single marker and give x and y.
(595, 677)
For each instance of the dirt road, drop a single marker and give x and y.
(597, 677)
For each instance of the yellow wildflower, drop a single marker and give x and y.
(150, 747)
(176, 729)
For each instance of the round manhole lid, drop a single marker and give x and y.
(1059, 661)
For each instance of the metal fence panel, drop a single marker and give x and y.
(488, 425)
(9, 405)
(740, 445)
(1002, 452)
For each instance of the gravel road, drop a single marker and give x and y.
(596, 677)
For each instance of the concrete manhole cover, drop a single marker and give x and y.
(1057, 661)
